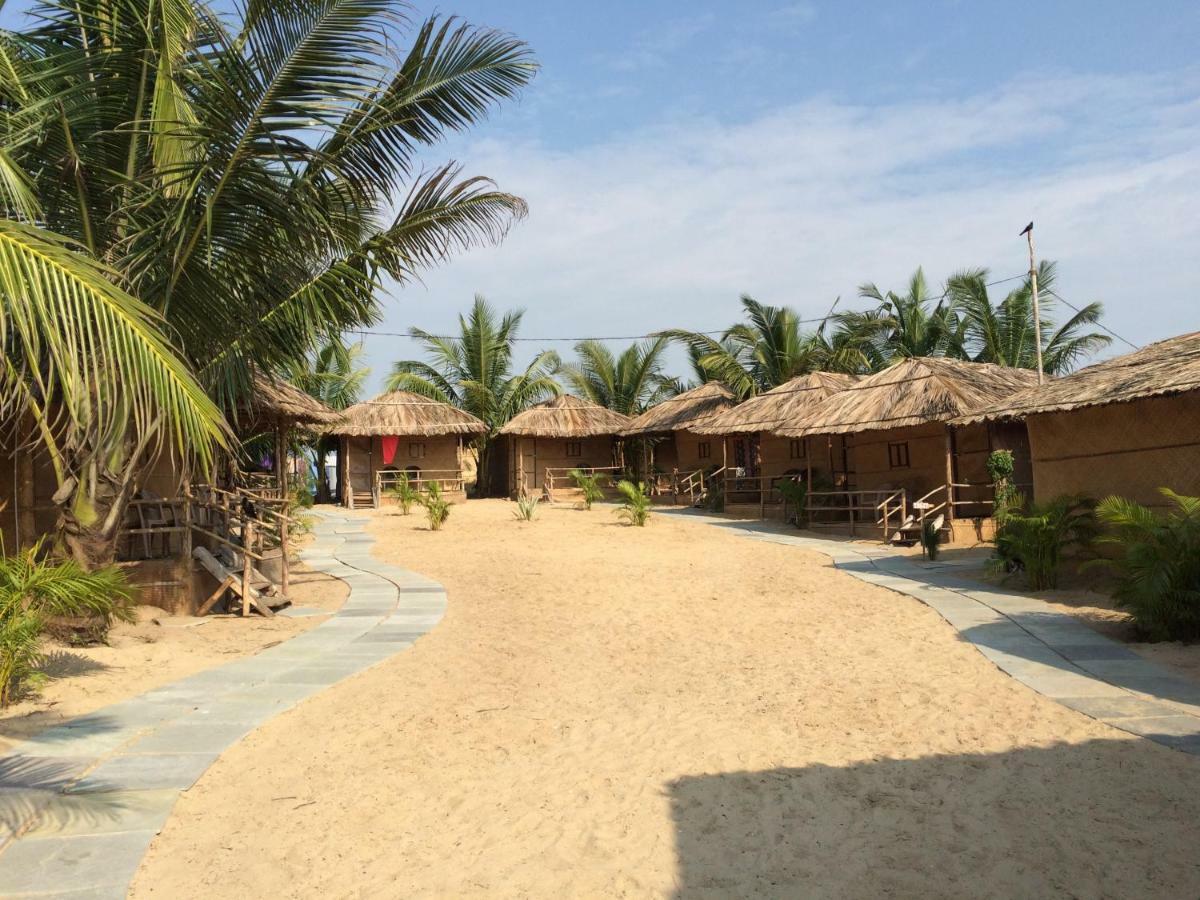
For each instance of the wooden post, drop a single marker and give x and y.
(519, 447)
(283, 551)
(1037, 315)
(762, 478)
(281, 475)
(247, 547)
(807, 493)
(349, 485)
(949, 475)
(26, 497)
(186, 542)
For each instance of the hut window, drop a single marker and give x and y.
(898, 455)
(574, 448)
(416, 451)
(796, 448)
(704, 450)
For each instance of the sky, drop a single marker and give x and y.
(675, 155)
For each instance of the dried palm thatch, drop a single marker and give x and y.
(789, 404)
(688, 411)
(1160, 369)
(566, 416)
(912, 392)
(278, 403)
(402, 412)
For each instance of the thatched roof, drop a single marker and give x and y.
(688, 411)
(278, 402)
(913, 392)
(1166, 367)
(566, 416)
(789, 404)
(404, 413)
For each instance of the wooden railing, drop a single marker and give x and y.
(561, 475)
(856, 509)
(694, 484)
(447, 480)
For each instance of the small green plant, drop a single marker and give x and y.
(589, 485)
(795, 495)
(931, 539)
(1158, 564)
(635, 503)
(1006, 499)
(526, 508)
(301, 492)
(1034, 542)
(437, 507)
(35, 590)
(715, 501)
(404, 493)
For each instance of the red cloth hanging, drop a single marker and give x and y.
(391, 443)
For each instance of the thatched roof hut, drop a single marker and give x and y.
(912, 392)
(688, 411)
(405, 413)
(566, 416)
(279, 403)
(1157, 370)
(790, 403)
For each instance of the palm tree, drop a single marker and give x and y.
(628, 383)
(474, 371)
(1004, 334)
(910, 324)
(187, 191)
(767, 350)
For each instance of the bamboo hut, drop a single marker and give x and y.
(670, 442)
(539, 446)
(756, 458)
(401, 432)
(900, 450)
(1126, 426)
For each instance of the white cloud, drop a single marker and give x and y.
(665, 227)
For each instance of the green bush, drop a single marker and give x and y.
(715, 501)
(795, 495)
(526, 508)
(437, 507)
(35, 590)
(589, 485)
(1034, 542)
(1158, 564)
(931, 539)
(1000, 466)
(635, 503)
(404, 493)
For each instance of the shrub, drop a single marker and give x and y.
(1158, 564)
(589, 485)
(34, 590)
(635, 503)
(931, 539)
(526, 508)
(301, 492)
(1034, 542)
(1000, 466)
(437, 507)
(404, 493)
(795, 494)
(715, 501)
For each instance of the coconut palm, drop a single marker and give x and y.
(628, 383)
(475, 371)
(191, 192)
(1004, 333)
(911, 324)
(764, 352)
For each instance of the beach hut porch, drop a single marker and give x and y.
(369, 466)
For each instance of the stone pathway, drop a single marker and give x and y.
(1051, 652)
(81, 802)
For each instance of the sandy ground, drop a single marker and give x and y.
(675, 711)
(157, 649)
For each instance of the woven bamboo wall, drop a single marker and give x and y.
(687, 451)
(543, 453)
(366, 456)
(1129, 449)
(926, 455)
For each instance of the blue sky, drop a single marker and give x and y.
(677, 154)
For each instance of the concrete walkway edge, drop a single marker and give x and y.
(81, 802)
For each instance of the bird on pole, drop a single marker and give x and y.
(1027, 233)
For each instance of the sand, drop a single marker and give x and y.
(157, 649)
(675, 711)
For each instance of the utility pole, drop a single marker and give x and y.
(1037, 315)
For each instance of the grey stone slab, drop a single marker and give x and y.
(19, 806)
(273, 691)
(49, 773)
(1179, 726)
(1117, 669)
(191, 736)
(106, 813)
(69, 742)
(1088, 652)
(324, 675)
(389, 636)
(301, 612)
(145, 772)
(1066, 684)
(72, 863)
(1164, 687)
(1124, 707)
